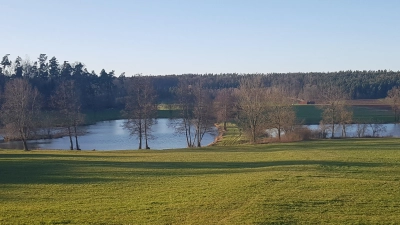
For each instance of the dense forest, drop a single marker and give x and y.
(106, 89)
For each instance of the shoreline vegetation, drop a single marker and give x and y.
(367, 110)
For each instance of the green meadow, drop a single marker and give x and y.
(343, 181)
(312, 114)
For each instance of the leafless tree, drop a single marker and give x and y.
(252, 104)
(203, 112)
(185, 96)
(224, 105)
(281, 114)
(377, 128)
(196, 113)
(345, 119)
(20, 109)
(335, 110)
(361, 129)
(393, 99)
(140, 108)
(310, 92)
(66, 100)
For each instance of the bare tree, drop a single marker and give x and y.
(252, 104)
(281, 115)
(345, 119)
(185, 97)
(377, 128)
(20, 109)
(361, 129)
(393, 99)
(334, 108)
(196, 114)
(140, 108)
(203, 113)
(224, 105)
(67, 101)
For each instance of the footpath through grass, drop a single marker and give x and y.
(353, 181)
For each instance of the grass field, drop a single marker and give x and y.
(311, 114)
(352, 181)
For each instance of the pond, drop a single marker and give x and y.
(376, 130)
(354, 130)
(110, 135)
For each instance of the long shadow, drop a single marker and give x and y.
(44, 172)
(335, 144)
(68, 154)
(36, 171)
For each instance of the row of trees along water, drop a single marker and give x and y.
(46, 94)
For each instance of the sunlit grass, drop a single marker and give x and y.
(350, 181)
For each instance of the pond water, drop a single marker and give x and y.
(353, 130)
(110, 135)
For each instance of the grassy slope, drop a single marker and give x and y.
(331, 181)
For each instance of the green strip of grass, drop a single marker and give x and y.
(312, 114)
(352, 181)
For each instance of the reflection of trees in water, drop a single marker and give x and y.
(110, 135)
(361, 130)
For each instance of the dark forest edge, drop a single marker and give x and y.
(44, 93)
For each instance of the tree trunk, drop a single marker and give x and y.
(146, 136)
(333, 126)
(279, 133)
(140, 133)
(224, 125)
(71, 147)
(140, 142)
(253, 134)
(23, 139)
(76, 139)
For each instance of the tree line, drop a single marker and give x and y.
(106, 89)
(46, 94)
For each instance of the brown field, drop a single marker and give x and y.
(372, 103)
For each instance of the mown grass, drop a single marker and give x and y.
(232, 136)
(352, 181)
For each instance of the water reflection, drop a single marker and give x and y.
(110, 135)
(355, 130)
(387, 130)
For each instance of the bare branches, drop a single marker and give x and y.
(252, 104)
(335, 110)
(196, 112)
(393, 99)
(20, 109)
(140, 108)
(66, 100)
(281, 115)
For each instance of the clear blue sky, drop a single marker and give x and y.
(206, 36)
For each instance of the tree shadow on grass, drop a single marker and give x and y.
(327, 144)
(44, 171)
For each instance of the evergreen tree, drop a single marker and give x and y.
(54, 70)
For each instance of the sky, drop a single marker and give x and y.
(157, 37)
